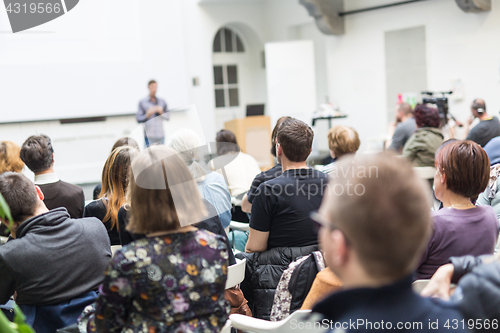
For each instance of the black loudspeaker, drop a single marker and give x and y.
(474, 6)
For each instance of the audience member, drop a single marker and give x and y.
(492, 148)
(405, 127)
(276, 171)
(325, 284)
(9, 161)
(119, 143)
(476, 295)
(174, 279)
(488, 127)
(422, 145)
(9, 157)
(280, 227)
(280, 211)
(115, 181)
(372, 240)
(211, 224)
(38, 154)
(460, 227)
(238, 168)
(342, 140)
(211, 184)
(53, 263)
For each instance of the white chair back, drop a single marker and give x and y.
(236, 273)
(227, 327)
(296, 321)
(239, 226)
(425, 172)
(115, 248)
(419, 285)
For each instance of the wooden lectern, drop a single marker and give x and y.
(254, 138)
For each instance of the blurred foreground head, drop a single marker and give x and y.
(376, 217)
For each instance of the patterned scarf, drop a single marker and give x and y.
(491, 190)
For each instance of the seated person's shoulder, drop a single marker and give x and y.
(443, 312)
(210, 238)
(93, 226)
(320, 174)
(95, 205)
(70, 188)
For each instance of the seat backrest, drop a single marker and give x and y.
(296, 321)
(115, 248)
(235, 273)
(419, 285)
(425, 172)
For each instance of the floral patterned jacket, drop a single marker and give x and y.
(171, 283)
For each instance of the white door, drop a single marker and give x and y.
(291, 81)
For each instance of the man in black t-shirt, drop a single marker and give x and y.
(488, 127)
(276, 171)
(281, 206)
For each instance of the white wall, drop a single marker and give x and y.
(93, 62)
(459, 46)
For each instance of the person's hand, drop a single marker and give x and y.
(151, 112)
(439, 285)
(159, 109)
(470, 120)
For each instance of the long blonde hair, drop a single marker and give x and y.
(10, 159)
(115, 181)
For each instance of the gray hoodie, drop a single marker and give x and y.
(54, 259)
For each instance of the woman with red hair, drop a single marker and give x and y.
(423, 144)
(460, 228)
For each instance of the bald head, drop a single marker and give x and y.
(478, 106)
(405, 108)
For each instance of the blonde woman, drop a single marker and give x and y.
(114, 185)
(9, 157)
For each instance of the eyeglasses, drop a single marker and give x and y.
(320, 222)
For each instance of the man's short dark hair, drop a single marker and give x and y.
(151, 82)
(226, 143)
(295, 138)
(20, 194)
(36, 153)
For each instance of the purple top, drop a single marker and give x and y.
(458, 233)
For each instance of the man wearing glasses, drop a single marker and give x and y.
(372, 240)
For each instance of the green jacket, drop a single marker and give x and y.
(422, 145)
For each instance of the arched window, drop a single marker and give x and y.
(227, 41)
(228, 47)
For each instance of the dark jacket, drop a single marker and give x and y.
(62, 194)
(422, 146)
(388, 309)
(53, 259)
(262, 275)
(478, 290)
(98, 209)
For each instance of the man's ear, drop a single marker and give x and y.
(279, 151)
(443, 179)
(39, 192)
(340, 255)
